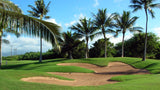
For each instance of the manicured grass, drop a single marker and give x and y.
(15, 70)
(46, 66)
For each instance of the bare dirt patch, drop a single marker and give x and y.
(101, 76)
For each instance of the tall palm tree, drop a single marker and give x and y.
(104, 22)
(11, 17)
(39, 11)
(5, 5)
(70, 41)
(86, 29)
(147, 5)
(125, 23)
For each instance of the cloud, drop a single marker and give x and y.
(23, 45)
(156, 31)
(96, 3)
(53, 21)
(77, 17)
(70, 24)
(112, 39)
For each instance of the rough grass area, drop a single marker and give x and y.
(15, 70)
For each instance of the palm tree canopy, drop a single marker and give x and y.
(84, 28)
(125, 22)
(8, 5)
(102, 19)
(27, 25)
(40, 10)
(70, 41)
(144, 4)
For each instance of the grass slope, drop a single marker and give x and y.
(15, 70)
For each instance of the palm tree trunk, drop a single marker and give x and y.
(123, 45)
(86, 47)
(70, 55)
(145, 44)
(0, 49)
(40, 58)
(105, 41)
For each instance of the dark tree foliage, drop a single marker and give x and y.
(79, 51)
(134, 47)
(69, 43)
(98, 49)
(158, 52)
(50, 54)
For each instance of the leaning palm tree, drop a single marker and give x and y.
(125, 23)
(147, 5)
(11, 17)
(104, 23)
(86, 29)
(70, 41)
(40, 11)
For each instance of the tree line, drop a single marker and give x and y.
(133, 48)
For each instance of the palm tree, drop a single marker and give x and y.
(104, 22)
(11, 17)
(70, 41)
(40, 11)
(147, 5)
(86, 29)
(4, 5)
(125, 23)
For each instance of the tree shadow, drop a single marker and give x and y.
(48, 61)
(23, 65)
(151, 65)
(124, 72)
(136, 62)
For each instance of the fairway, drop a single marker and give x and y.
(61, 70)
(101, 76)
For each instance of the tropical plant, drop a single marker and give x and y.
(97, 50)
(39, 11)
(70, 41)
(105, 23)
(158, 52)
(134, 46)
(5, 41)
(85, 28)
(11, 17)
(147, 5)
(78, 52)
(125, 23)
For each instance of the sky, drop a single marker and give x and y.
(67, 12)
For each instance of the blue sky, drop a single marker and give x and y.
(67, 12)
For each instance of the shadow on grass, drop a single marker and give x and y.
(48, 61)
(23, 65)
(152, 65)
(136, 62)
(125, 72)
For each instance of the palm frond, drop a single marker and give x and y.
(33, 26)
(8, 5)
(136, 29)
(5, 41)
(151, 12)
(117, 32)
(47, 17)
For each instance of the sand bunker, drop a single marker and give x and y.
(101, 76)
